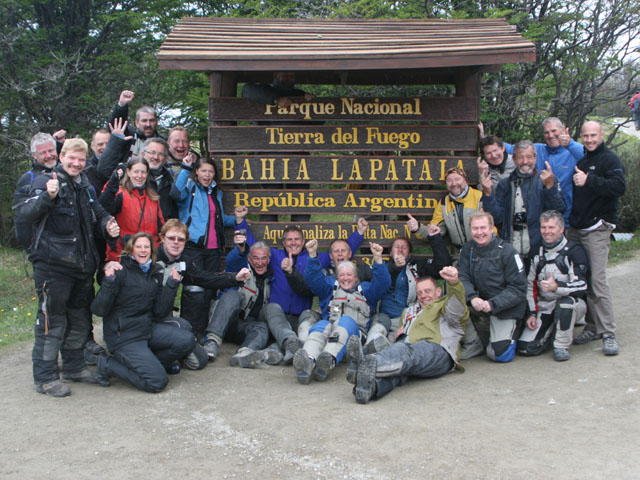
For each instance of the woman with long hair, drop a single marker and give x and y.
(130, 198)
(131, 300)
(199, 200)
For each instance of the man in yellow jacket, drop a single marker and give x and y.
(427, 342)
(452, 213)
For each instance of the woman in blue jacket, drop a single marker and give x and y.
(199, 200)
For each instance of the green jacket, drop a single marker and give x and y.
(442, 321)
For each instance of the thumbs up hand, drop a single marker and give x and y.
(579, 178)
(53, 186)
(549, 284)
(546, 176)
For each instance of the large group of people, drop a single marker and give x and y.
(530, 248)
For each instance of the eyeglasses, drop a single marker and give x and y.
(176, 239)
(153, 152)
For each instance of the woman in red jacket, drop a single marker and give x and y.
(130, 198)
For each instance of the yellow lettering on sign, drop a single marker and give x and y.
(376, 166)
(246, 171)
(267, 169)
(355, 171)
(391, 171)
(425, 174)
(303, 173)
(348, 137)
(334, 175)
(409, 163)
(227, 169)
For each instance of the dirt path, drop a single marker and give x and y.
(533, 418)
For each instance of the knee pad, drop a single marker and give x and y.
(503, 351)
(564, 312)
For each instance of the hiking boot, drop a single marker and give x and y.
(211, 347)
(609, 345)
(376, 345)
(55, 388)
(102, 374)
(324, 364)
(354, 357)
(560, 354)
(365, 387)
(303, 365)
(247, 358)
(173, 369)
(273, 354)
(197, 359)
(585, 337)
(291, 346)
(92, 351)
(85, 376)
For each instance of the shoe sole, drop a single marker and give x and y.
(303, 365)
(560, 358)
(252, 360)
(354, 356)
(324, 365)
(273, 357)
(291, 348)
(366, 380)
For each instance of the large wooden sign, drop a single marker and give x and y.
(356, 202)
(330, 138)
(453, 109)
(362, 169)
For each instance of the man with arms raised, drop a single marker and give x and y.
(146, 121)
(286, 305)
(239, 315)
(427, 346)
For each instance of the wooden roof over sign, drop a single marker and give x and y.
(267, 45)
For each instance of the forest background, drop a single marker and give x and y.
(64, 64)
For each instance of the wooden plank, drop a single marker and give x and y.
(349, 108)
(325, 138)
(356, 202)
(362, 170)
(332, 61)
(380, 232)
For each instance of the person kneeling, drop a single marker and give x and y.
(346, 311)
(427, 344)
(131, 297)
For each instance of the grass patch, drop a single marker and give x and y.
(623, 251)
(18, 303)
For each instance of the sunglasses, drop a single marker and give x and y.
(176, 239)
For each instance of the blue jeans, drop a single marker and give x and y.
(401, 360)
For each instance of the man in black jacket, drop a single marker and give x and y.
(64, 212)
(495, 287)
(45, 155)
(598, 183)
